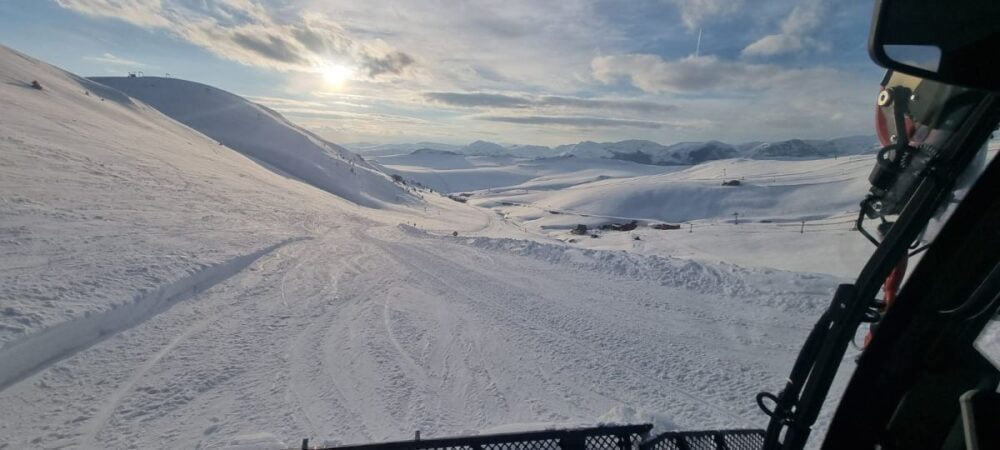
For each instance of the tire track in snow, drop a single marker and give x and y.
(307, 351)
(426, 257)
(114, 401)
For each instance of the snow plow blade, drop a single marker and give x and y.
(628, 437)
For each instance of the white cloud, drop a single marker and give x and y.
(695, 13)
(795, 36)
(440, 68)
(574, 121)
(518, 101)
(246, 32)
(654, 74)
(108, 58)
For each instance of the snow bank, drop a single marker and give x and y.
(265, 135)
(789, 291)
(37, 350)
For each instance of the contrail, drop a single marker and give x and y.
(697, 49)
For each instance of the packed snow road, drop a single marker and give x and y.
(368, 331)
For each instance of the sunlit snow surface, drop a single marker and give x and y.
(160, 290)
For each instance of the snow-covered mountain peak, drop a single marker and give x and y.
(484, 148)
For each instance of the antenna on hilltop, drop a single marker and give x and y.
(697, 49)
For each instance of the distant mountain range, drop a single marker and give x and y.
(647, 152)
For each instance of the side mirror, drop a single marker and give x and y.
(951, 41)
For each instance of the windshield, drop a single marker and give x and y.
(239, 224)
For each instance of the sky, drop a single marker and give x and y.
(507, 71)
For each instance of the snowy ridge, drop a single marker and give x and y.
(649, 152)
(815, 149)
(265, 135)
(33, 352)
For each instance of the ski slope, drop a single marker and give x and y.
(160, 290)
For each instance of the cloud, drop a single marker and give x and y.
(796, 30)
(393, 63)
(573, 121)
(271, 46)
(479, 99)
(246, 32)
(639, 106)
(693, 74)
(694, 13)
(108, 58)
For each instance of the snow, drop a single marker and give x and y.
(369, 149)
(800, 149)
(160, 290)
(451, 173)
(648, 152)
(263, 134)
(783, 206)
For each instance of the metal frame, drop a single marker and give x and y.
(707, 440)
(626, 437)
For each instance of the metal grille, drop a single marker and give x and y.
(599, 438)
(707, 440)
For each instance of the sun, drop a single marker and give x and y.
(336, 75)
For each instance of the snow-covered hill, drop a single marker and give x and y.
(105, 200)
(484, 148)
(266, 136)
(451, 172)
(815, 149)
(773, 199)
(369, 149)
(649, 152)
(785, 190)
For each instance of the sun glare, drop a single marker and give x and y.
(335, 74)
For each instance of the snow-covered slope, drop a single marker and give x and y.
(788, 190)
(784, 208)
(370, 149)
(815, 149)
(531, 151)
(266, 136)
(451, 172)
(484, 148)
(105, 200)
(649, 152)
(687, 153)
